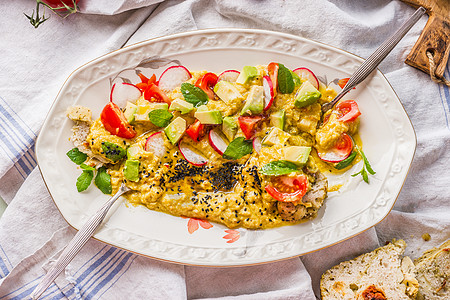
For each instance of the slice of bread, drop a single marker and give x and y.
(380, 274)
(433, 273)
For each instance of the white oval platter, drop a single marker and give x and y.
(388, 138)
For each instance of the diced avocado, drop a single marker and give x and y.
(175, 129)
(202, 108)
(278, 119)
(133, 151)
(297, 80)
(297, 154)
(227, 91)
(142, 111)
(182, 106)
(209, 116)
(113, 152)
(229, 127)
(276, 136)
(306, 95)
(131, 170)
(254, 104)
(129, 112)
(247, 73)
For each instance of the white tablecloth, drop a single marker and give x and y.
(35, 64)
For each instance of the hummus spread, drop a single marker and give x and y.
(228, 190)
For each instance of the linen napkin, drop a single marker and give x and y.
(32, 232)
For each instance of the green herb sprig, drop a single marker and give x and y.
(366, 169)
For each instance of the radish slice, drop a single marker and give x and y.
(339, 152)
(228, 75)
(124, 92)
(307, 74)
(257, 144)
(155, 144)
(173, 77)
(268, 92)
(218, 141)
(190, 155)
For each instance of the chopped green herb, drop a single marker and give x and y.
(84, 180)
(87, 168)
(194, 95)
(286, 83)
(160, 117)
(238, 148)
(279, 167)
(76, 156)
(103, 181)
(346, 162)
(367, 168)
(113, 152)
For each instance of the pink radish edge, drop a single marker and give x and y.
(307, 74)
(155, 144)
(217, 142)
(191, 156)
(169, 80)
(120, 97)
(268, 91)
(257, 144)
(228, 75)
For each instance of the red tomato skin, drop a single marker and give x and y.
(207, 83)
(196, 130)
(300, 181)
(249, 125)
(60, 3)
(339, 152)
(272, 69)
(153, 92)
(115, 122)
(349, 110)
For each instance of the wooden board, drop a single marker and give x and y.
(435, 36)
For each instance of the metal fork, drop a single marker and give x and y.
(376, 58)
(75, 245)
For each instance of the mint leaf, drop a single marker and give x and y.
(84, 180)
(279, 167)
(238, 148)
(194, 95)
(286, 83)
(87, 168)
(160, 117)
(76, 156)
(103, 181)
(346, 162)
(113, 152)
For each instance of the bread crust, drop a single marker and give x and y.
(433, 273)
(375, 275)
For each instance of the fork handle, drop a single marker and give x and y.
(376, 58)
(75, 245)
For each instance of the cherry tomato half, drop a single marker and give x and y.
(347, 111)
(196, 130)
(153, 94)
(288, 189)
(115, 122)
(339, 152)
(272, 69)
(145, 82)
(249, 125)
(207, 83)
